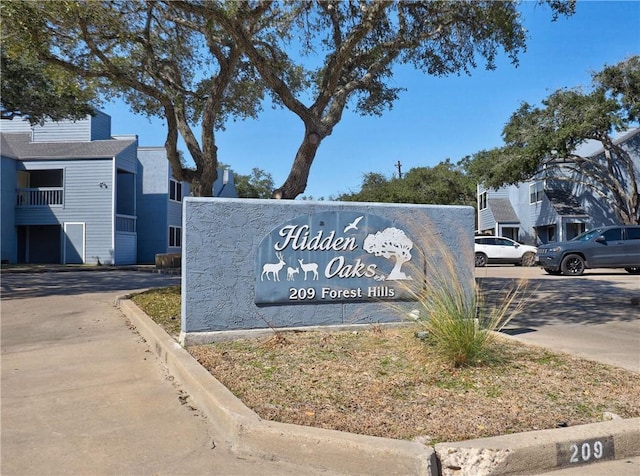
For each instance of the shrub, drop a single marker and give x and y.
(459, 324)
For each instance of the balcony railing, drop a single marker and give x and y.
(126, 223)
(40, 197)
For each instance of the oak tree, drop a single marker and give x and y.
(258, 184)
(38, 92)
(193, 62)
(443, 184)
(544, 142)
(162, 61)
(343, 55)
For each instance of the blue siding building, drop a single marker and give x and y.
(552, 209)
(160, 197)
(73, 193)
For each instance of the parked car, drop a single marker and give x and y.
(500, 250)
(604, 247)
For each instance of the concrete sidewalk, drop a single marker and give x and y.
(84, 392)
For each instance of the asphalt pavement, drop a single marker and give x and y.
(591, 316)
(83, 394)
(85, 390)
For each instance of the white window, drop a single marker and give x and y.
(536, 192)
(482, 201)
(175, 190)
(175, 237)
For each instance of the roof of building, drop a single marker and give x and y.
(593, 148)
(5, 148)
(502, 210)
(564, 203)
(19, 146)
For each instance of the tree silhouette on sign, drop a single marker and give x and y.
(391, 243)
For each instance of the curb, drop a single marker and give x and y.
(246, 433)
(542, 451)
(69, 268)
(83, 268)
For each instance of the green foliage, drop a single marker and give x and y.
(460, 326)
(259, 184)
(206, 62)
(162, 60)
(622, 82)
(443, 184)
(541, 141)
(36, 91)
(375, 188)
(346, 53)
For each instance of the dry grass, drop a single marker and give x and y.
(163, 306)
(386, 382)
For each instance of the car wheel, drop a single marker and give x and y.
(555, 272)
(633, 270)
(481, 260)
(572, 265)
(528, 259)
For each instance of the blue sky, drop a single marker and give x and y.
(436, 118)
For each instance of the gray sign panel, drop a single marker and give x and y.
(337, 256)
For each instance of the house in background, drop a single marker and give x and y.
(68, 193)
(544, 211)
(160, 203)
(73, 193)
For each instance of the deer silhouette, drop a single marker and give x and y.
(290, 273)
(273, 268)
(309, 267)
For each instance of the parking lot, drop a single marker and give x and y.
(591, 315)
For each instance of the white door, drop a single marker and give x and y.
(74, 245)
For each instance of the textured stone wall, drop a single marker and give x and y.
(220, 262)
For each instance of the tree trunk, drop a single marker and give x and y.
(634, 205)
(203, 179)
(296, 182)
(201, 187)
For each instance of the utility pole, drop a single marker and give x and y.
(399, 165)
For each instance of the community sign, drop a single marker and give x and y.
(337, 256)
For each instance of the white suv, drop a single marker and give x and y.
(500, 250)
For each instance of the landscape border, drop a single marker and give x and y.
(247, 434)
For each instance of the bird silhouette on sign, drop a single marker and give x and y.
(353, 225)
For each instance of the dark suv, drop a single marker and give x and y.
(604, 247)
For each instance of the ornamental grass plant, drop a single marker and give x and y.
(451, 311)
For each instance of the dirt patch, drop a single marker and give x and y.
(388, 382)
